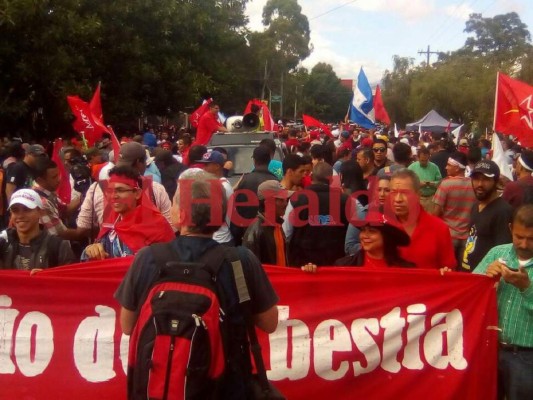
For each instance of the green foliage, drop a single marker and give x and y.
(152, 56)
(326, 98)
(461, 84)
(289, 30)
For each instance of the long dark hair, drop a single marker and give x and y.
(352, 179)
(391, 254)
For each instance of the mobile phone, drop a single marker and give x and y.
(504, 262)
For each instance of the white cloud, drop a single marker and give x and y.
(345, 66)
(410, 10)
(254, 10)
(461, 11)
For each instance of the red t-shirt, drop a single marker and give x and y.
(513, 192)
(207, 125)
(431, 244)
(372, 263)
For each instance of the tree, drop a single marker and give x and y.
(396, 89)
(326, 98)
(289, 29)
(503, 35)
(152, 56)
(462, 83)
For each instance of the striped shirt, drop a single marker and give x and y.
(456, 197)
(515, 307)
(51, 205)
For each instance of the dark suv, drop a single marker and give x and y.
(240, 147)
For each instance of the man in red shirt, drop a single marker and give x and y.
(431, 243)
(208, 124)
(519, 192)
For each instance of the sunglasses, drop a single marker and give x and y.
(378, 149)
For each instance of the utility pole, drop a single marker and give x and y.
(428, 52)
(264, 82)
(281, 100)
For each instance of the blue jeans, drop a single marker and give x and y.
(515, 374)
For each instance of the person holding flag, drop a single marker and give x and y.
(134, 222)
(361, 110)
(208, 125)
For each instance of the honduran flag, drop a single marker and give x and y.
(362, 106)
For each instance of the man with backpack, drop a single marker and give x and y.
(187, 305)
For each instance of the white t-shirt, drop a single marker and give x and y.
(223, 235)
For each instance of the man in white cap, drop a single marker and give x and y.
(521, 191)
(28, 246)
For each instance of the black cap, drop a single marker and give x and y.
(488, 168)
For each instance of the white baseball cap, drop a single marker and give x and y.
(26, 197)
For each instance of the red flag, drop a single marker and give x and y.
(268, 122)
(312, 122)
(379, 108)
(86, 123)
(64, 191)
(513, 109)
(194, 118)
(96, 104)
(115, 143)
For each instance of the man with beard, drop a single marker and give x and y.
(489, 216)
(379, 148)
(512, 265)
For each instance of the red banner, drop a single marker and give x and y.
(64, 191)
(86, 123)
(343, 333)
(268, 121)
(513, 111)
(313, 122)
(380, 112)
(194, 118)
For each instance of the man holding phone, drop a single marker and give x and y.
(513, 264)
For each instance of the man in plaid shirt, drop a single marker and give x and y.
(47, 180)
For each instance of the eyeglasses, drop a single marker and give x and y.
(119, 191)
(379, 149)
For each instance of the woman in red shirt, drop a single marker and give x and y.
(380, 240)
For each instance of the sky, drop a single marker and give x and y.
(350, 34)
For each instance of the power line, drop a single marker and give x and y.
(461, 31)
(333, 9)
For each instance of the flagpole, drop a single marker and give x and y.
(84, 141)
(496, 101)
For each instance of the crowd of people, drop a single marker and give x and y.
(359, 198)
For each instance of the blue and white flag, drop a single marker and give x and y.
(362, 106)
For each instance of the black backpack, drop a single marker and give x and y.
(177, 348)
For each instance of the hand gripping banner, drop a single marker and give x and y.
(344, 333)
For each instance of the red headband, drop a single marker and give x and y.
(122, 179)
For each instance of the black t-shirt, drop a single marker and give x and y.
(19, 174)
(441, 159)
(190, 248)
(488, 228)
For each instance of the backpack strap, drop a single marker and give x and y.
(54, 245)
(246, 308)
(42, 258)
